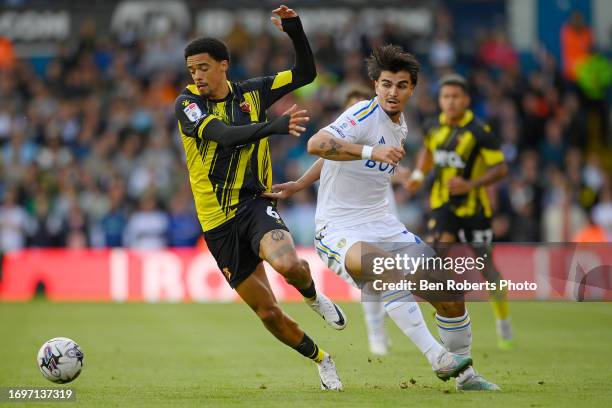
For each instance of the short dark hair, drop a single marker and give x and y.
(208, 45)
(394, 59)
(454, 79)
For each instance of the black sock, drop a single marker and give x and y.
(310, 292)
(309, 349)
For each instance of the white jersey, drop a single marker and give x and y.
(357, 192)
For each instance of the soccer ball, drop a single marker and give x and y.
(60, 360)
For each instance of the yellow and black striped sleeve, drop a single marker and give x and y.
(303, 72)
(194, 121)
(489, 146)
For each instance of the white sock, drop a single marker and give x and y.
(504, 328)
(406, 313)
(374, 314)
(456, 333)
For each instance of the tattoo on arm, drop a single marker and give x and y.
(335, 148)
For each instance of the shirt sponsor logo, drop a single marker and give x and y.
(350, 121)
(338, 130)
(445, 158)
(193, 112)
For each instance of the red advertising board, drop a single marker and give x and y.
(178, 275)
(124, 275)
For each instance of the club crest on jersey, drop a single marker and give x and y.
(193, 112)
(245, 107)
(341, 243)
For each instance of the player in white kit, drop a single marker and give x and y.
(362, 148)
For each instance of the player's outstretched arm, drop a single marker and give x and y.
(286, 190)
(326, 146)
(289, 123)
(304, 69)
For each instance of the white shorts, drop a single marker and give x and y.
(332, 244)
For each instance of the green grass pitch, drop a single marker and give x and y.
(205, 355)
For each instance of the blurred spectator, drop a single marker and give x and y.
(7, 55)
(552, 149)
(14, 223)
(50, 227)
(442, 53)
(497, 52)
(303, 208)
(77, 228)
(113, 222)
(576, 43)
(525, 193)
(602, 211)
(184, 227)
(147, 228)
(594, 76)
(562, 217)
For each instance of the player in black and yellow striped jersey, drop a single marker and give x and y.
(224, 132)
(465, 157)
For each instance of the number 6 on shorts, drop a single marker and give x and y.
(270, 211)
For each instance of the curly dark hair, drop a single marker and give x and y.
(208, 45)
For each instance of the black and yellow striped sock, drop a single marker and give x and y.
(309, 349)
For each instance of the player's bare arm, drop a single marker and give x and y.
(286, 190)
(326, 146)
(423, 167)
(459, 185)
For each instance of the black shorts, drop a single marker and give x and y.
(474, 229)
(235, 244)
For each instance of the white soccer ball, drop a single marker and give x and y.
(60, 360)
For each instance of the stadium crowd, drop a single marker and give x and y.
(90, 154)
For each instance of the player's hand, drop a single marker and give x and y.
(459, 185)
(413, 185)
(283, 12)
(283, 191)
(388, 154)
(298, 118)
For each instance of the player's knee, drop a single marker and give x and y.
(287, 265)
(270, 315)
(451, 309)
